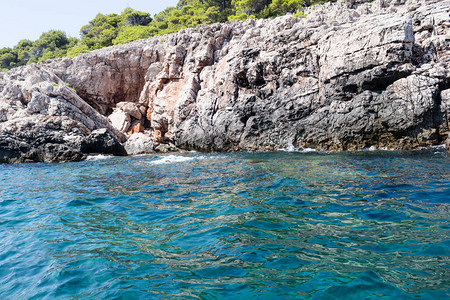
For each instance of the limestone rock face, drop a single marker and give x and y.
(101, 141)
(120, 120)
(351, 75)
(131, 109)
(139, 143)
(41, 119)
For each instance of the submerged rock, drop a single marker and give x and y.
(351, 75)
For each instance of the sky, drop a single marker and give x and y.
(28, 19)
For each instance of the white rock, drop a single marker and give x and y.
(139, 143)
(120, 120)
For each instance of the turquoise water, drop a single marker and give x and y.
(282, 225)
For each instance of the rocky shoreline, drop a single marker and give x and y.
(351, 75)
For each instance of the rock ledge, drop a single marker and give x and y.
(352, 75)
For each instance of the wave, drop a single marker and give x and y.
(98, 157)
(173, 159)
(435, 147)
(308, 150)
(289, 148)
(292, 148)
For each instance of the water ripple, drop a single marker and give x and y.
(240, 226)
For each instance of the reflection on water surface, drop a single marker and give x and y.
(239, 225)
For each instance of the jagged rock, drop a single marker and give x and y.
(135, 127)
(133, 109)
(120, 120)
(445, 110)
(101, 141)
(41, 119)
(166, 148)
(351, 75)
(139, 143)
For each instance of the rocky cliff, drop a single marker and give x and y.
(351, 75)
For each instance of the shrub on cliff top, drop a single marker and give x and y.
(130, 25)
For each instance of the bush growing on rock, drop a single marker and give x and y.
(130, 25)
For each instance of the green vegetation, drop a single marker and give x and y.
(130, 25)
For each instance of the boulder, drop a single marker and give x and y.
(349, 76)
(41, 119)
(166, 148)
(120, 120)
(139, 143)
(101, 141)
(133, 109)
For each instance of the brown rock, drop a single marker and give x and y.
(133, 109)
(157, 135)
(350, 75)
(137, 128)
(41, 119)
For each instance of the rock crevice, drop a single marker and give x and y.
(349, 76)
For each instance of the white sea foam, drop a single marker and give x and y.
(98, 157)
(437, 147)
(170, 159)
(374, 148)
(289, 148)
(141, 155)
(308, 150)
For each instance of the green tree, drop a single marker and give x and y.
(51, 44)
(7, 58)
(248, 8)
(188, 13)
(22, 50)
(130, 25)
(106, 30)
(131, 17)
(282, 7)
(101, 31)
(132, 33)
(222, 8)
(77, 50)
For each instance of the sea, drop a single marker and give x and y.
(244, 225)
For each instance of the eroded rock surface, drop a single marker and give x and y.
(139, 143)
(351, 75)
(42, 119)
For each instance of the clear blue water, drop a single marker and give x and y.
(367, 225)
